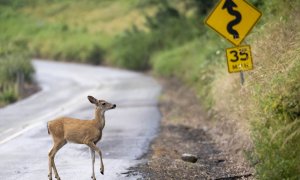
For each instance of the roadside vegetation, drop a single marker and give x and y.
(169, 38)
(15, 71)
(266, 107)
(78, 31)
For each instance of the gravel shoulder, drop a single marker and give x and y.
(186, 128)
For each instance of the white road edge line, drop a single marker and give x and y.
(43, 118)
(19, 133)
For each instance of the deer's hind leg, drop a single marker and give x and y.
(56, 146)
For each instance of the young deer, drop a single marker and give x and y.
(78, 131)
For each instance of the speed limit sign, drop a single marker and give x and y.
(239, 59)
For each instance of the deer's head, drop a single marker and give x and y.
(101, 104)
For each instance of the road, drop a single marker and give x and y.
(24, 142)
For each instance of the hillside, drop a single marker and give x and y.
(68, 30)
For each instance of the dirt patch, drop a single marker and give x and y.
(28, 90)
(185, 128)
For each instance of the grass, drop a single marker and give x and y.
(194, 62)
(80, 31)
(135, 48)
(268, 105)
(52, 31)
(278, 116)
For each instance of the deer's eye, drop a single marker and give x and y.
(103, 104)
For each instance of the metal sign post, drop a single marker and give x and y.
(242, 77)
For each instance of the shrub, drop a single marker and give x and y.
(276, 136)
(134, 48)
(95, 55)
(13, 61)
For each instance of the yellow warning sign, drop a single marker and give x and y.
(233, 19)
(239, 59)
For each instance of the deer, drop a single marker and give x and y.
(88, 132)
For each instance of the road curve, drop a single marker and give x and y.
(24, 142)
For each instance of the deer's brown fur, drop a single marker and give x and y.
(89, 132)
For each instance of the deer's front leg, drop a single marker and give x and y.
(50, 167)
(93, 163)
(95, 148)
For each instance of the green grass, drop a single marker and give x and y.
(276, 134)
(80, 31)
(195, 62)
(135, 47)
(268, 104)
(276, 121)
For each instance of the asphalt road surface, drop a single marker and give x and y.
(24, 141)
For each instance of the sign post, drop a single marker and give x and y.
(233, 20)
(242, 77)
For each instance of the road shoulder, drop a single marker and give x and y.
(186, 128)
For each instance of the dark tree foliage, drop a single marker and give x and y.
(257, 3)
(163, 17)
(203, 6)
(168, 28)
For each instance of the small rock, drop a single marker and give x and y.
(220, 160)
(189, 157)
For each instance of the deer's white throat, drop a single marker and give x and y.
(99, 116)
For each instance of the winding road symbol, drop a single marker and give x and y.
(229, 5)
(233, 19)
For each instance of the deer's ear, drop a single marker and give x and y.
(92, 99)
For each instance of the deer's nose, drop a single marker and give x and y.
(114, 106)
